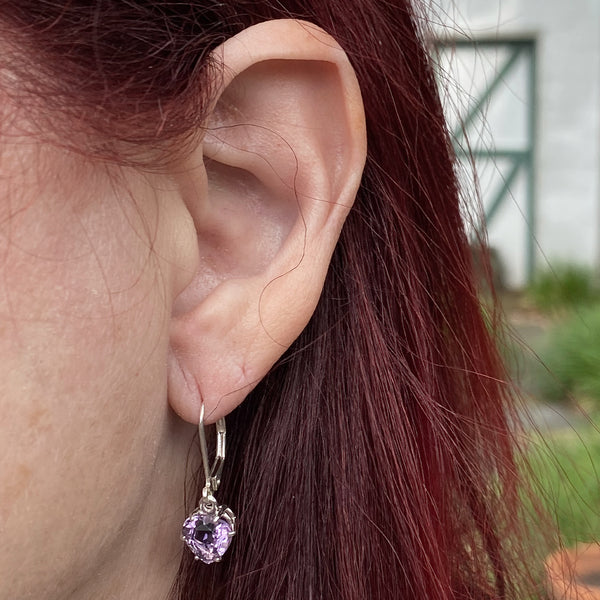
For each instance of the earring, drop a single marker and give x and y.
(209, 529)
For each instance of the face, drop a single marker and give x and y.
(90, 262)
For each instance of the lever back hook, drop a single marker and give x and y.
(212, 474)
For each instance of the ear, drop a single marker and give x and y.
(282, 158)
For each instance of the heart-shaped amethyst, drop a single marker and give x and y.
(207, 535)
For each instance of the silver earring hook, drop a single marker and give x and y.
(212, 475)
(207, 532)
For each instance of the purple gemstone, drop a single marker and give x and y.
(207, 539)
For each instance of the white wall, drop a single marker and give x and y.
(567, 170)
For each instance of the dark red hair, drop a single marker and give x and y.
(376, 460)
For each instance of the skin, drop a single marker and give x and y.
(126, 297)
(88, 280)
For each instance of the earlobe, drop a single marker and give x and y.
(282, 158)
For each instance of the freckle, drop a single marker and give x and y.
(36, 416)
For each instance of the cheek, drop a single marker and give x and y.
(81, 299)
(83, 338)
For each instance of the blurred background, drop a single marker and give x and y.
(520, 81)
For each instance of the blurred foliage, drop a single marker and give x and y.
(560, 360)
(570, 359)
(563, 287)
(564, 467)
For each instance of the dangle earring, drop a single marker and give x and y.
(209, 529)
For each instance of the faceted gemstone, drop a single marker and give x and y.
(207, 539)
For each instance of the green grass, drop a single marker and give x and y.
(563, 287)
(570, 359)
(565, 468)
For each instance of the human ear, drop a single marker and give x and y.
(282, 158)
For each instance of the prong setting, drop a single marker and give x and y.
(208, 531)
